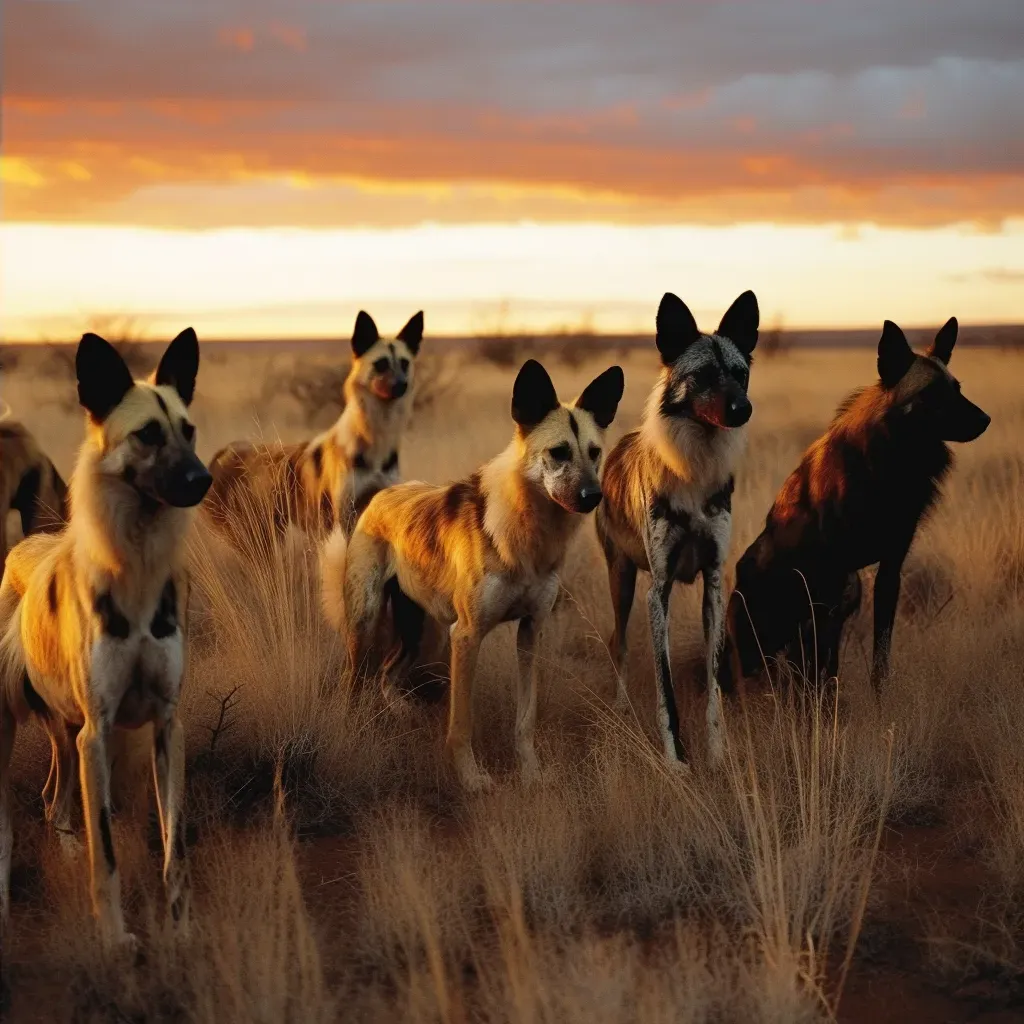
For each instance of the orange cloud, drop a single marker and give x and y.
(241, 39)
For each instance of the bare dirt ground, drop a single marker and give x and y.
(862, 867)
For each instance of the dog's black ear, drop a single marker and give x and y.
(942, 346)
(179, 365)
(533, 395)
(895, 356)
(103, 376)
(412, 332)
(741, 322)
(602, 395)
(676, 328)
(364, 335)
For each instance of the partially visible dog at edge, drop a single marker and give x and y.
(29, 485)
(325, 482)
(477, 553)
(93, 619)
(856, 499)
(668, 494)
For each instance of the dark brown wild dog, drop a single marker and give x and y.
(856, 499)
(480, 552)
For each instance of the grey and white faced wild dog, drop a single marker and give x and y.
(93, 620)
(29, 485)
(668, 493)
(480, 552)
(857, 498)
(327, 481)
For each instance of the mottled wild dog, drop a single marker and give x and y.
(93, 619)
(325, 482)
(856, 499)
(29, 485)
(668, 493)
(482, 551)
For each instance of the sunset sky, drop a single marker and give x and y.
(266, 168)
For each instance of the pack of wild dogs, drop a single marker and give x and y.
(94, 599)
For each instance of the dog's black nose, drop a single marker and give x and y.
(399, 388)
(737, 410)
(590, 497)
(188, 484)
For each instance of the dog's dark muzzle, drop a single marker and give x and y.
(187, 483)
(399, 387)
(737, 410)
(589, 498)
(967, 422)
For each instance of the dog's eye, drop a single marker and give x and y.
(381, 365)
(187, 430)
(594, 452)
(404, 364)
(151, 435)
(560, 453)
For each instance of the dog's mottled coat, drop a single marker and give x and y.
(668, 493)
(327, 481)
(479, 552)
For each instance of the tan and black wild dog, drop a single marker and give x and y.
(325, 482)
(856, 499)
(93, 619)
(480, 552)
(29, 485)
(668, 493)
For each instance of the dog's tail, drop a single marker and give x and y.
(332, 575)
(12, 656)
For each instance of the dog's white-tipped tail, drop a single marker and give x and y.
(332, 576)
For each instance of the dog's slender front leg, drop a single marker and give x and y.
(668, 715)
(59, 801)
(169, 781)
(459, 745)
(887, 595)
(105, 881)
(713, 617)
(526, 703)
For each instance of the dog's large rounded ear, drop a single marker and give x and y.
(103, 376)
(895, 356)
(412, 332)
(602, 395)
(942, 346)
(179, 365)
(676, 328)
(533, 395)
(741, 322)
(364, 335)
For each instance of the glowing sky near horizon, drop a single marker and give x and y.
(264, 168)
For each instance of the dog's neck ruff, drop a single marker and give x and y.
(368, 420)
(116, 529)
(698, 454)
(526, 527)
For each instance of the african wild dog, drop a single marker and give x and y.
(93, 619)
(327, 481)
(668, 493)
(857, 498)
(29, 485)
(482, 551)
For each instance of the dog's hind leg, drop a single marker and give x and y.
(713, 615)
(169, 781)
(59, 794)
(105, 880)
(364, 590)
(409, 620)
(622, 581)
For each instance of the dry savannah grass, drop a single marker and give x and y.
(846, 863)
